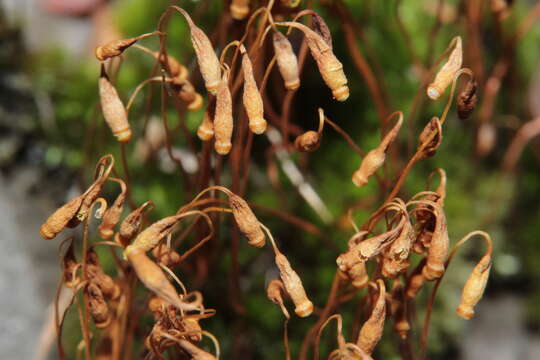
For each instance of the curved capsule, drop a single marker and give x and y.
(286, 60)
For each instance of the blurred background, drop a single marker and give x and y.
(51, 135)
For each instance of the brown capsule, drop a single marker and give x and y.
(150, 237)
(247, 221)
(399, 310)
(415, 281)
(286, 60)
(156, 305)
(223, 119)
(368, 248)
(252, 99)
(206, 57)
(474, 288)
(113, 109)
(94, 271)
(275, 292)
(178, 72)
(467, 99)
(310, 140)
(166, 256)
(76, 210)
(99, 310)
(194, 352)
(330, 67)
(69, 264)
(438, 248)
(114, 48)
(430, 138)
(446, 74)
(294, 287)
(186, 93)
(239, 9)
(320, 27)
(59, 220)
(205, 131)
(154, 279)
(372, 330)
(112, 214)
(375, 158)
(192, 326)
(396, 256)
(358, 275)
(131, 224)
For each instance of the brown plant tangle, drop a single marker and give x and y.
(153, 289)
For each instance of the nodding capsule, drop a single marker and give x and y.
(286, 60)
(223, 119)
(113, 109)
(445, 76)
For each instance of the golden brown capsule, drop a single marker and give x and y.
(247, 221)
(239, 9)
(396, 256)
(113, 48)
(99, 310)
(94, 271)
(187, 94)
(372, 330)
(223, 119)
(375, 158)
(154, 279)
(150, 237)
(178, 72)
(60, 218)
(166, 256)
(252, 99)
(467, 99)
(415, 281)
(446, 74)
(358, 275)
(433, 131)
(69, 265)
(438, 248)
(206, 57)
(330, 67)
(275, 292)
(192, 326)
(294, 287)
(474, 288)
(113, 109)
(117, 47)
(131, 224)
(76, 210)
(310, 140)
(399, 310)
(205, 131)
(368, 248)
(286, 60)
(112, 214)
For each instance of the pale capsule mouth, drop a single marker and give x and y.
(433, 93)
(239, 12)
(123, 135)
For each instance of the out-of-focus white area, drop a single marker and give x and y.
(42, 29)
